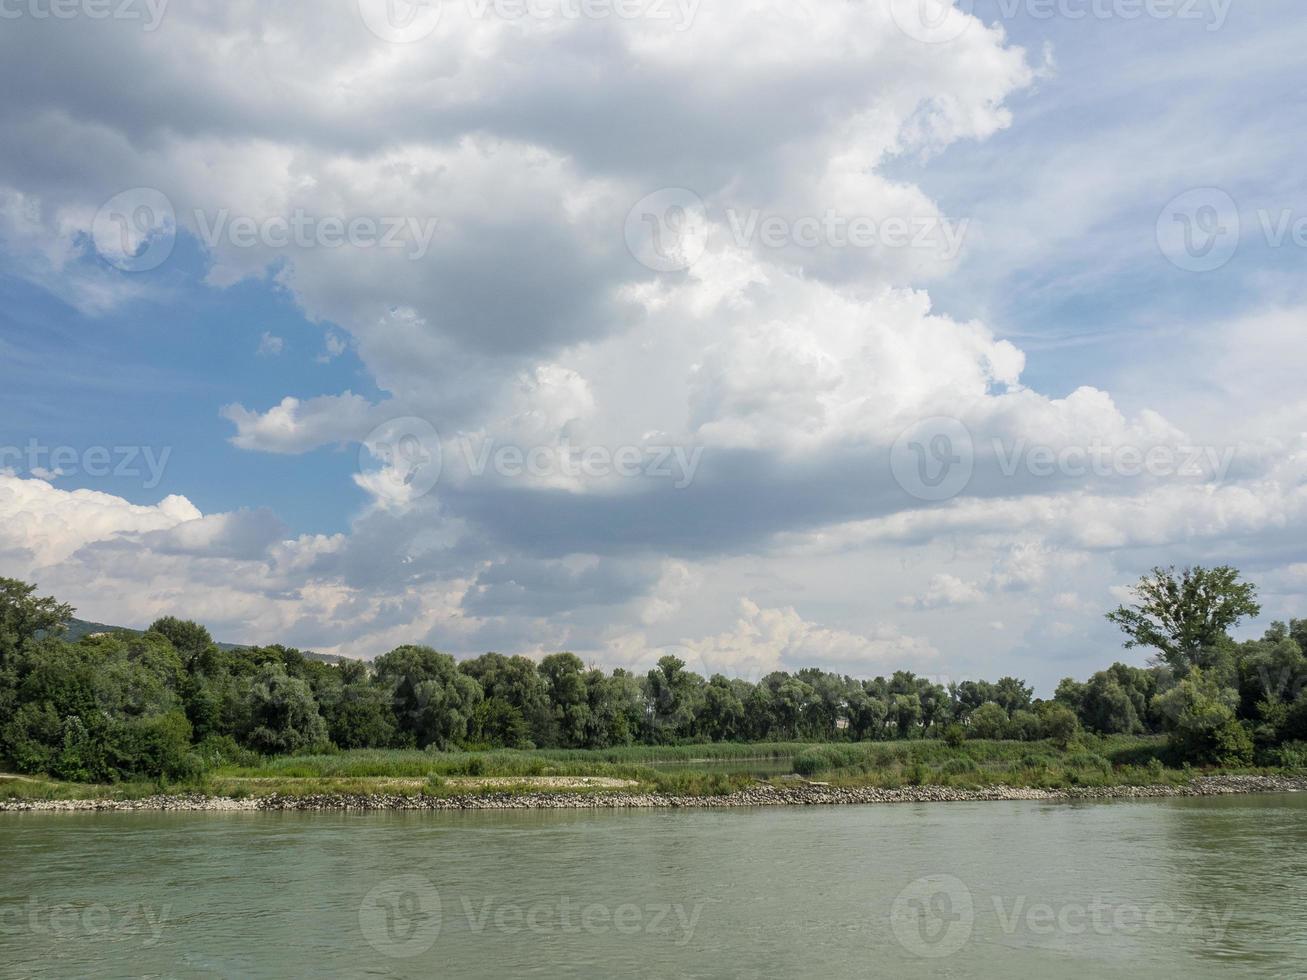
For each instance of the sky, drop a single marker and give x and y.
(866, 335)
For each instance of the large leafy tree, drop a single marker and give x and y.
(433, 701)
(1185, 616)
(24, 617)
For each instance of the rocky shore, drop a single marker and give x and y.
(760, 795)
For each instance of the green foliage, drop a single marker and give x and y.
(955, 735)
(169, 703)
(1290, 755)
(1184, 617)
(1058, 723)
(989, 721)
(25, 618)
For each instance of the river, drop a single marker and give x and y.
(1187, 888)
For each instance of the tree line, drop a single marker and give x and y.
(170, 702)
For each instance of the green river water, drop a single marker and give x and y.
(1174, 888)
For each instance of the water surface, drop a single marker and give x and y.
(1177, 888)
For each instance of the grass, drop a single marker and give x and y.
(1089, 761)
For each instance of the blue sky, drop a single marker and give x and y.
(282, 380)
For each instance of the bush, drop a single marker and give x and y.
(961, 766)
(1059, 724)
(1088, 761)
(223, 750)
(1290, 755)
(989, 721)
(1232, 745)
(954, 736)
(1037, 760)
(810, 762)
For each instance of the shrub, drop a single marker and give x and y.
(958, 767)
(1088, 761)
(955, 735)
(223, 750)
(1232, 745)
(989, 721)
(1290, 755)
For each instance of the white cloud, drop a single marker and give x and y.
(45, 525)
(270, 345)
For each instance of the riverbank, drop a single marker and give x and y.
(760, 795)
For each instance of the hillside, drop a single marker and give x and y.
(78, 628)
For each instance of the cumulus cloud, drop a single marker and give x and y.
(485, 180)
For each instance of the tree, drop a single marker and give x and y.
(1184, 617)
(24, 618)
(1200, 716)
(1058, 723)
(564, 675)
(496, 722)
(284, 715)
(191, 640)
(1108, 708)
(517, 681)
(722, 715)
(989, 721)
(433, 701)
(905, 712)
(675, 694)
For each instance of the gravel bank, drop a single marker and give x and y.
(761, 795)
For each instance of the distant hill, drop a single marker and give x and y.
(78, 628)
